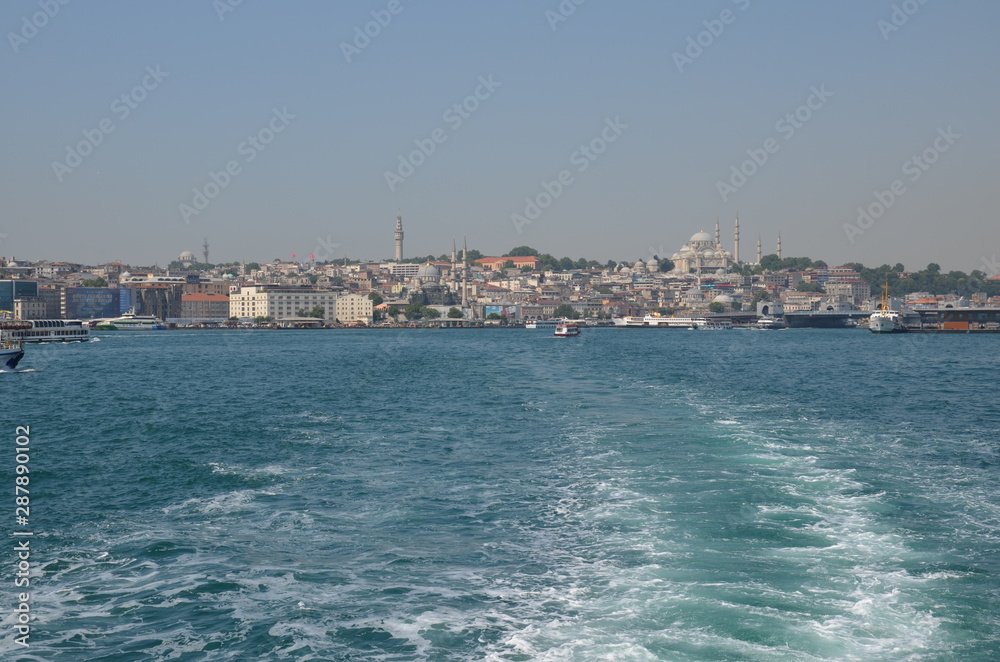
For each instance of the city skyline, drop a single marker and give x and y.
(861, 132)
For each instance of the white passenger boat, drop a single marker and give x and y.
(657, 321)
(32, 331)
(567, 330)
(541, 324)
(132, 322)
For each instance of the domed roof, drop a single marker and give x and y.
(653, 265)
(428, 271)
(723, 298)
(186, 255)
(639, 266)
(708, 254)
(701, 236)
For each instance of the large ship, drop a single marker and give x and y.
(132, 322)
(32, 331)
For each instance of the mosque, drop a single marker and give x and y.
(702, 255)
(705, 255)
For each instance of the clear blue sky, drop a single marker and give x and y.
(321, 181)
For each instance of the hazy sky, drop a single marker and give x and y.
(834, 99)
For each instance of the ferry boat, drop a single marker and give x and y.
(657, 321)
(32, 331)
(132, 322)
(885, 320)
(541, 324)
(11, 350)
(567, 330)
(713, 324)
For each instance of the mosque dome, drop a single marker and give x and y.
(186, 256)
(701, 236)
(429, 272)
(652, 266)
(723, 298)
(639, 266)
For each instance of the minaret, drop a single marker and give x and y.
(399, 239)
(779, 244)
(205, 250)
(718, 238)
(736, 242)
(454, 263)
(758, 249)
(465, 274)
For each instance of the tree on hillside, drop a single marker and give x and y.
(94, 282)
(454, 313)
(567, 311)
(521, 251)
(376, 298)
(716, 307)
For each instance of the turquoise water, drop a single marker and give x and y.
(505, 495)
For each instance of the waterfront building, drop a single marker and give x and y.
(89, 302)
(280, 302)
(355, 308)
(204, 306)
(30, 308)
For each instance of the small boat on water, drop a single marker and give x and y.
(132, 322)
(567, 330)
(11, 349)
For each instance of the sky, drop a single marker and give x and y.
(861, 130)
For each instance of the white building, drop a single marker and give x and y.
(702, 255)
(355, 308)
(281, 302)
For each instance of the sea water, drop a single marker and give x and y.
(504, 495)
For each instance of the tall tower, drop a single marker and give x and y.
(399, 239)
(205, 250)
(758, 249)
(736, 242)
(779, 244)
(718, 237)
